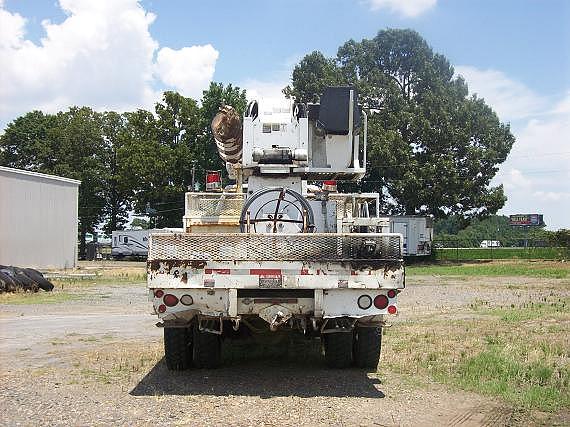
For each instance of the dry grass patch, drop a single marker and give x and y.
(118, 362)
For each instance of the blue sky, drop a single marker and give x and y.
(121, 54)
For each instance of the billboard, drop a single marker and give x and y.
(526, 220)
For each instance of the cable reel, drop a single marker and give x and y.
(277, 210)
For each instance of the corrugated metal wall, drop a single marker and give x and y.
(38, 220)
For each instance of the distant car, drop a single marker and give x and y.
(490, 244)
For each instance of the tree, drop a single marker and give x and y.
(311, 76)
(432, 148)
(68, 144)
(118, 194)
(204, 150)
(140, 223)
(148, 165)
(81, 155)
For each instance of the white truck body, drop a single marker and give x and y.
(417, 232)
(291, 255)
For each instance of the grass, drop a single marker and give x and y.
(68, 288)
(102, 277)
(40, 297)
(465, 254)
(524, 269)
(118, 362)
(520, 354)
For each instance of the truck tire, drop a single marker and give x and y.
(367, 347)
(338, 349)
(177, 348)
(207, 349)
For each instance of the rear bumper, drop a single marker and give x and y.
(233, 303)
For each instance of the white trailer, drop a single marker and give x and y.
(134, 243)
(417, 232)
(279, 253)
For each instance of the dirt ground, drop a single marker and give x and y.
(97, 360)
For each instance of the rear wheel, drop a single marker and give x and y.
(367, 347)
(207, 349)
(177, 348)
(338, 349)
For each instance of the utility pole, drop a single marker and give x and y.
(193, 186)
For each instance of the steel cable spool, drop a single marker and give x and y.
(277, 210)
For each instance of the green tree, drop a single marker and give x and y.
(148, 167)
(204, 150)
(432, 148)
(140, 223)
(68, 144)
(81, 155)
(311, 76)
(118, 194)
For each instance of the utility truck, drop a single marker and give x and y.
(281, 249)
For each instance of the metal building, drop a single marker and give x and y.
(38, 219)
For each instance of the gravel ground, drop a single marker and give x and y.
(97, 360)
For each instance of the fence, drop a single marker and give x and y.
(460, 250)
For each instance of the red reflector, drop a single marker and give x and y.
(170, 300)
(213, 176)
(392, 309)
(213, 180)
(161, 308)
(265, 272)
(158, 293)
(381, 302)
(391, 293)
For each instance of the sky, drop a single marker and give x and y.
(121, 55)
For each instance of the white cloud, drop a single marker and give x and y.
(407, 8)
(551, 196)
(536, 173)
(189, 70)
(511, 100)
(269, 91)
(101, 55)
(11, 28)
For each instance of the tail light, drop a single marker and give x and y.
(392, 293)
(213, 180)
(161, 308)
(158, 293)
(364, 302)
(329, 186)
(392, 309)
(170, 300)
(186, 299)
(381, 302)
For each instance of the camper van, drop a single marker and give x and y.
(134, 243)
